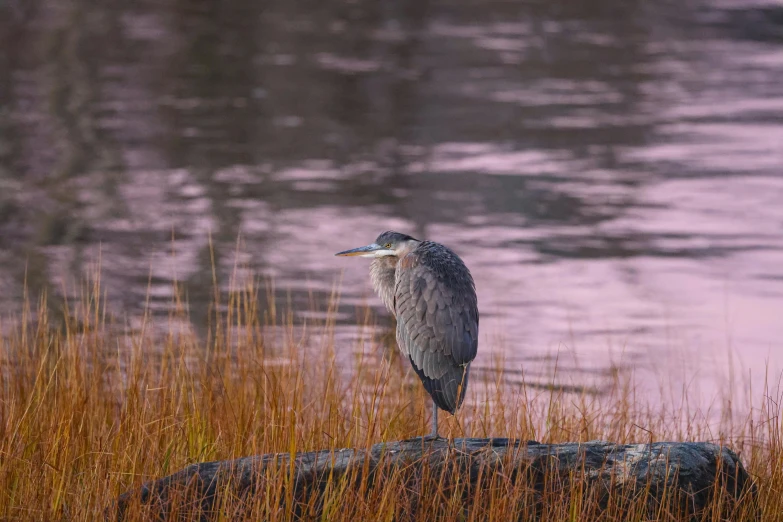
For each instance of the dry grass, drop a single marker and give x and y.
(90, 409)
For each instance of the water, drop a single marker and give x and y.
(612, 174)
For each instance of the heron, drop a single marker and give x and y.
(431, 293)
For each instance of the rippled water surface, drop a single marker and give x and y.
(611, 173)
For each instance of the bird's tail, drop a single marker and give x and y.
(448, 391)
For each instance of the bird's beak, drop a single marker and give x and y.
(365, 251)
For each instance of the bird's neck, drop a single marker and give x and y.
(382, 271)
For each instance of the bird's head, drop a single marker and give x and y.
(387, 244)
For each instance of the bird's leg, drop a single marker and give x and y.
(434, 434)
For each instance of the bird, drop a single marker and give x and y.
(431, 293)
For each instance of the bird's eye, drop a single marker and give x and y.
(388, 246)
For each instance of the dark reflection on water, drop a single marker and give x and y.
(612, 172)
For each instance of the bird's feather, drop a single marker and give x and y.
(437, 320)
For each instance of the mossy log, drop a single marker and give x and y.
(691, 474)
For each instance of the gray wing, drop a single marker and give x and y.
(437, 321)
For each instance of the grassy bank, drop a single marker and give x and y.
(90, 408)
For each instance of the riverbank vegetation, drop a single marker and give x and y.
(92, 406)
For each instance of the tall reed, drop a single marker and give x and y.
(90, 408)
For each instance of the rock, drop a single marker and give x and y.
(689, 476)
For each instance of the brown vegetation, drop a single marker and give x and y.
(90, 409)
